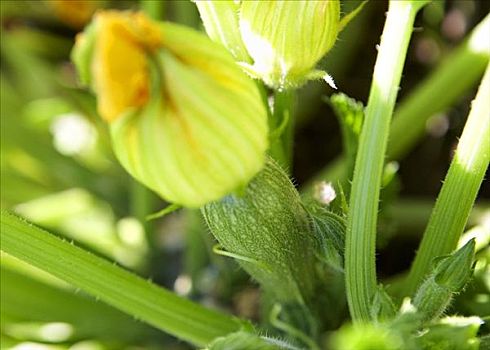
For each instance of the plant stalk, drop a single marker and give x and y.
(459, 190)
(360, 269)
(460, 70)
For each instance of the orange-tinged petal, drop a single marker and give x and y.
(120, 66)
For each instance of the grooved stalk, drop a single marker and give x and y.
(361, 228)
(460, 188)
(460, 70)
(115, 286)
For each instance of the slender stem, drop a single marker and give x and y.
(459, 190)
(361, 225)
(460, 70)
(141, 201)
(115, 286)
(283, 112)
(288, 103)
(153, 8)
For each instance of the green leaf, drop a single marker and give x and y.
(350, 114)
(114, 285)
(247, 341)
(329, 230)
(453, 333)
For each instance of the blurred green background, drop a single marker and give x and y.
(58, 171)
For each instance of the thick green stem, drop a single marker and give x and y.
(115, 286)
(460, 188)
(360, 266)
(460, 70)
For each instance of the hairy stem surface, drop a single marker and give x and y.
(360, 266)
(459, 190)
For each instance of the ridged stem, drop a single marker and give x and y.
(460, 70)
(125, 291)
(459, 190)
(360, 266)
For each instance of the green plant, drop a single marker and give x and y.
(207, 124)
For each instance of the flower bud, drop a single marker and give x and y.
(184, 119)
(220, 19)
(286, 39)
(449, 277)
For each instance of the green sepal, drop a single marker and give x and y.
(247, 341)
(350, 114)
(329, 230)
(382, 308)
(83, 52)
(448, 278)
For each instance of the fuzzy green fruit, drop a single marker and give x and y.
(268, 226)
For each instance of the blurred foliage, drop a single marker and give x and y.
(58, 170)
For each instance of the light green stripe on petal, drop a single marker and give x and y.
(219, 109)
(165, 159)
(195, 104)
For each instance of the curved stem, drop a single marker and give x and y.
(361, 225)
(117, 287)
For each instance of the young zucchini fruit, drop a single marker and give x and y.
(267, 229)
(279, 243)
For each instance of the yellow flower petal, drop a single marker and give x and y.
(120, 63)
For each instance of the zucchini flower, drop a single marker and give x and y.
(285, 39)
(184, 119)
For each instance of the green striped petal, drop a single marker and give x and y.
(286, 39)
(204, 133)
